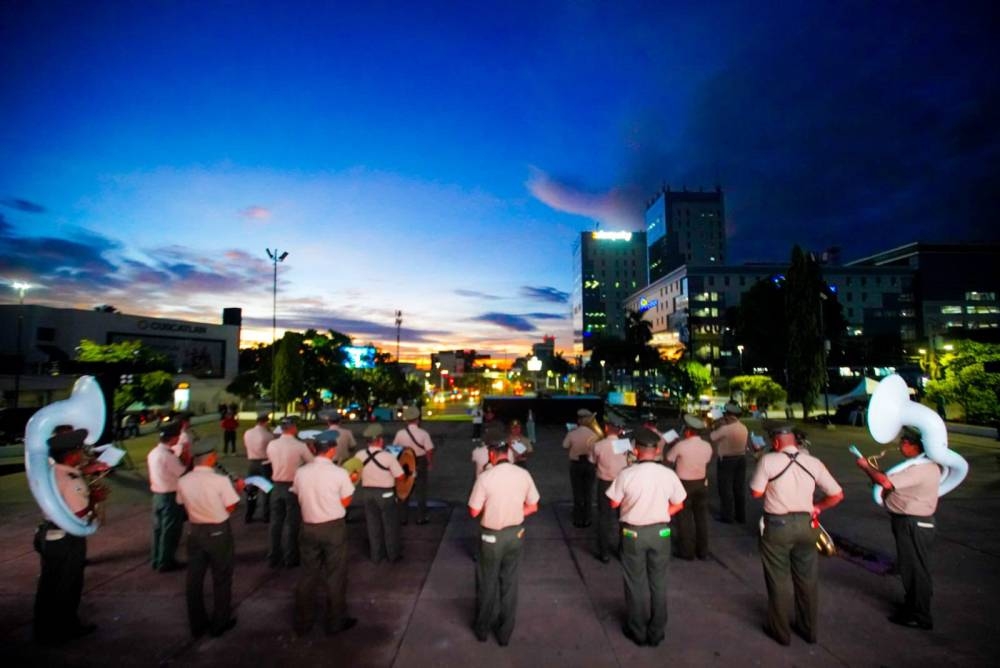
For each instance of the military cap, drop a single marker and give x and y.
(203, 446)
(411, 413)
(733, 408)
(775, 428)
(289, 421)
(615, 420)
(493, 435)
(67, 440)
(373, 431)
(328, 436)
(692, 422)
(584, 414)
(646, 438)
(263, 417)
(170, 430)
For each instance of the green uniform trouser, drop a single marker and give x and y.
(168, 520)
(60, 584)
(608, 535)
(324, 568)
(286, 520)
(645, 557)
(210, 546)
(692, 521)
(496, 581)
(914, 537)
(382, 522)
(581, 480)
(789, 544)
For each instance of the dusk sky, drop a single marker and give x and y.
(441, 158)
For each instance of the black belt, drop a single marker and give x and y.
(377, 487)
(803, 514)
(733, 456)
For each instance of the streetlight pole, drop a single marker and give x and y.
(399, 323)
(604, 378)
(21, 289)
(826, 373)
(276, 257)
(739, 349)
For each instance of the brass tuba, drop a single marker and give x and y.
(83, 410)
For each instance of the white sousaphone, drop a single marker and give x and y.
(889, 410)
(83, 410)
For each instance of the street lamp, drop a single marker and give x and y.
(604, 378)
(534, 365)
(740, 349)
(21, 289)
(399, 323)
(444, 372)
(275, 259)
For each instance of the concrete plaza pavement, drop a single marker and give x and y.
(418, 612)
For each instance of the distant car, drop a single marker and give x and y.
(13, 422)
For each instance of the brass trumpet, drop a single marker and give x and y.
(824, 542)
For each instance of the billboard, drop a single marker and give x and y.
(359, 357)
(203, 358)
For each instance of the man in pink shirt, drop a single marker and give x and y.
(608, 465)
(324, 491)
(209, 498)
(579, 444)
(502, 497)
(911, 497)
(286, 454)
(690, 457)
(648, 493)
(417, 439)
(379, 472)
(255, 441)
(730, 437)
(165, 469)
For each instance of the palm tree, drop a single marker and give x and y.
(638, 330)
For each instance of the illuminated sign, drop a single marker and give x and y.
(359, 357)
(171, 327)
(645, 304)
(612, 236)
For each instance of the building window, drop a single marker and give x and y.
(951, 310)
(980, 296)
(864, 296)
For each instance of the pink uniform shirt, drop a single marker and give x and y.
(206, 495)
(374, 476)
(286, 454)
(165, 469)
(501, 492)
(72, 487)
(731, 439)
(646, 490)
(609, 463)
(793, 491)
(580, 442)
(915, 490)
(321, 486)
(255, 441)
(421, 446)
(690, 457)
(480, 457)
(346, 444)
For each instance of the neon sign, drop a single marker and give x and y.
(612, 236)
(645, 304)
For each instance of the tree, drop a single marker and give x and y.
(806, 372)
(967, 383)
(146, 375)
(699, 377)
(760, 390)
(288, 368)
(759, 324)
(638, 330)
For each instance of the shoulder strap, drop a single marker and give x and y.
(792, 459)
(372, 458)
(415, 441)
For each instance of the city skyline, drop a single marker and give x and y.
(443, 163)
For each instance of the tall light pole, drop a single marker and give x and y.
(21, 289)
(399, 323)
(604, 378)
(740, 348)
(824, 343)
(275, 259)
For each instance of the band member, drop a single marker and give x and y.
(165, 469)
(229, 424)
(911, 497)
(608, 464)
(255, 441)
(515, 435)
(412, 436)
(787, 479)
(63, 555)
(502, 497)
(690, 457)
(477, 423)
(580, 444)
(286, 454)
(648, 493)
(379, 473)
(650, 423)
(324, 491)
(730, 437)
(346, 444)
(187, 438)
(209, 499)
(480, 458)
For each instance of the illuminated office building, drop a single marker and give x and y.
(607, 267)
(685, 228)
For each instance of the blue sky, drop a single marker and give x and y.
(441, 158)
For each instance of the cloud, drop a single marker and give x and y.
(359, 329)
(22, 205)
(546, 316)
(545, 294)
(515, 323)
(255, 212)
(476, 294)
(620, 208)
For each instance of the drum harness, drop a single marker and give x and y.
(793, 460)
(413, 438)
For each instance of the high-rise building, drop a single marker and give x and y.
(607, 267)
(685, 227)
